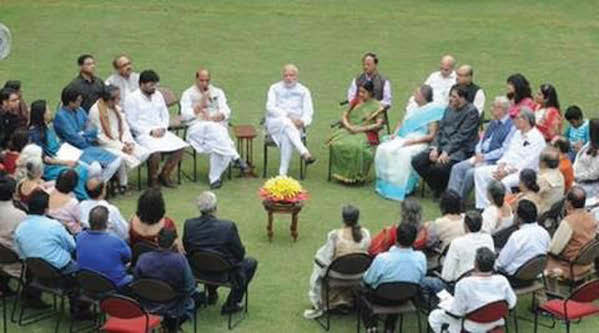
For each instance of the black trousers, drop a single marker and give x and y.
(436, 175)
(242, 278)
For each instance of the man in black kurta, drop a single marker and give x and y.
(89, 85)
(454, 142)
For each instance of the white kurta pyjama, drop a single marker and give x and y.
(441, 87)
(283, 104)
(522, 153)
(145, 114)
(209, 137)
(125, 85)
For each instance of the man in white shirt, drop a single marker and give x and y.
(148, 118)
(124, 77)
(523, 152)
(116, 224)
(471, 293)
(382, 86)
(441, 81)
(204, 107)
(475, 95)
(524, 244)
(288, 112)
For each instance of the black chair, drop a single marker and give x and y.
(526, 280)
(140, 248)
(344, 272)
(269, 142)
(48, 279)
(10, 257)
(501, 237)
(401, 294)
(551, 218)
(94, 287)
(206, 264)
(159, 292)
(127, 315)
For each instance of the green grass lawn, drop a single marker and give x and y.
(245, 43)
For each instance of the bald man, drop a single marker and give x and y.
(96, 189)
(382, 86)
(441, 81)
(288, 112)
(124, 77)
(475, 94)
(205, 108)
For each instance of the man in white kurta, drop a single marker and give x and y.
(204, 107)
(114, 134)
(441, 81)
(522, 153)
(288, 112)
(148, 119)
(124, 77)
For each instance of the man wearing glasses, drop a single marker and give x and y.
(124, 77)
(89, 85)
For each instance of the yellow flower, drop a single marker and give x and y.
(283, 188)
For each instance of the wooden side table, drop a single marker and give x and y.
(245, 135)
(282, 208)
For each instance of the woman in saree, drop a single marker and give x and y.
(394, 179)
(351, 147)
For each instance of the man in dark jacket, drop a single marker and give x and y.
(209, 234)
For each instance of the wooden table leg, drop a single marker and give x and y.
(269, 227)
(294, 226)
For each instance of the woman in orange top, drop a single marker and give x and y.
(549, 119)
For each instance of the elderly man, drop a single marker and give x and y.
(441, 81)
(453, 143)
(148, 118)
(89, 85)
(288, 112)
(10, 217)
(382, 86)
(522, 153)
(488, 150)
(114, 135)
(10, 119)
(208, 233)
(472, 292)
(475, 94)
(205, 108)
(116, 224)
(551, 181)
(124, 77)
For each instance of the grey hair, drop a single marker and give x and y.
(411, 211)
(527, 114)
(206, 202)
(503, 102)
(30, 164)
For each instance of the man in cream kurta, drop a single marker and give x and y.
(288, 112)
(114, 134)
(205, 109)
(148, 119)
(124, 78)
(441, 81)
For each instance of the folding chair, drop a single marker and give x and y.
(527, 278)
(344, 272)
(159, 292)
(127, 315)
(140, 248)
(208, 263)
(586, 256)
(488, 313)
(575, 307)
(94, 287)
(401, 294)
(10, 257)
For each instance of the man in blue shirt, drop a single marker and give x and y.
(400, 264)
(103, 252)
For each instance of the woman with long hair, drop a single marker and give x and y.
(519, 94)
(547, 113)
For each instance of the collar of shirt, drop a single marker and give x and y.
(93, 78)
(505, 118)
(400, 249)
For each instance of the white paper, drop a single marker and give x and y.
(68, 152)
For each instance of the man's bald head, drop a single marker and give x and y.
(465, 73)
(448, 60)
(95, 188)
(98, 218)
(576, 197)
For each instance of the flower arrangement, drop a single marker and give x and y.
(283, 189)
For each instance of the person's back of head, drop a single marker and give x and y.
(450, 203)
(207, 203)
(351, 215)
(528, 177)
(550, 157)
(484, 261)
(166, 238)
(527, 211)
(576, 197)
(496, 192)
(67, 181)
(411, 211)
(406, 234)
(150, 206)
(473, 220)
(19, 139)
(38, 203)
(95, 188)
(7, 187)
(98, 218)
(562, 145)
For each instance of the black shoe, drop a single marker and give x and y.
(243, 166)
(216, 184)
(227, 309)
(85, 315)
(166, 182)
(212, 298)
(309, 160)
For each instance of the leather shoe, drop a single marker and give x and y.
(216, 184)
(226, 309)
(166, 182)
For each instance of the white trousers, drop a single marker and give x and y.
(483, 176)
(212, 138)
(111, 169)
(287, 137)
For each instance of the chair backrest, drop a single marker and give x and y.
(169, 96)
(94, 283)
(122, 307)
(350, 264)
(588, 253)
(140, 248)
(154, 290)
(8, 256)
(586, 293)
(42, 270)
(489, 312)
(550, 219)
(209, 262)
(501, 237)
(397, 292)
(531, 269)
